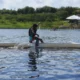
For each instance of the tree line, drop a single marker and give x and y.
(45, 13)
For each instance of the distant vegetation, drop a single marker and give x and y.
(48, 16)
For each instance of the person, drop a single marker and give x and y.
(33, 34)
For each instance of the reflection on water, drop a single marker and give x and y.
(32, 61)
(50, 64)
(33, 55)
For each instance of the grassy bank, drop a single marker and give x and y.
(25, 25)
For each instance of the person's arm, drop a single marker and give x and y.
(32, 32)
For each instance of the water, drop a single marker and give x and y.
(46, 64)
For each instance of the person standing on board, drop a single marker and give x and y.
(33, 34)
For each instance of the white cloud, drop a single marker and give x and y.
(73, 3)
(15, 4)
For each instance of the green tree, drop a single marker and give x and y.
(26, 10)
(46, 9)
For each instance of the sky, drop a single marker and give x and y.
(16, 4)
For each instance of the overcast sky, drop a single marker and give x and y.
(15, 4)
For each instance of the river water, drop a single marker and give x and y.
(46, 64)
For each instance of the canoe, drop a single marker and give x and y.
(7, 45)
(51, 45)
(41, 45)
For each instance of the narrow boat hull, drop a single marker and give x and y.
(52, 45)
(41, 45)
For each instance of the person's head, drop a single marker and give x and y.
(35, 26)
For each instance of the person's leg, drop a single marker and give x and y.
(31, 39)
(37, 41)
(40, 40)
